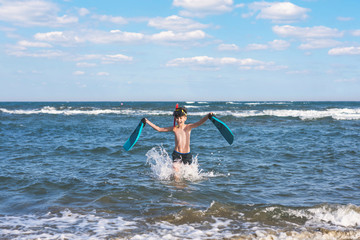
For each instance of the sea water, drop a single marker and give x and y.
(291, 173)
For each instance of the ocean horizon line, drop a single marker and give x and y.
(165, 101)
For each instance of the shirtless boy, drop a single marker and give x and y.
(182, 137)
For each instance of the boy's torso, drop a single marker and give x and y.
(182, 139)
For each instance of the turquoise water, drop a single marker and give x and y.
(292, 172)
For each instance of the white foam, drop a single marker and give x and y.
(65, 225)
(334, 113)
(219, 229)
(84, 111)
(190, 106)
(239, 228)
(337, 222)
(337, 114)
(295, 235)
(346, 216)
(266, 103)
(62, 111)
(328, 216)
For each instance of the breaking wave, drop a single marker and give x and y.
(83, 111)
(218, 221)
(334, 113)
(62, 225)
(221, 221)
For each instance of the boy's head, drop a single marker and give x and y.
(179, 112)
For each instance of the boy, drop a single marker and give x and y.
(182, 137)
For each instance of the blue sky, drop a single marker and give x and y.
(179, 50)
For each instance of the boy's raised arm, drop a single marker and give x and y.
(201, 121)
(157, 128)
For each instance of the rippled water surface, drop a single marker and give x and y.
(291, 173)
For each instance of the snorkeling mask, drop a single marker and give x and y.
(180, 112)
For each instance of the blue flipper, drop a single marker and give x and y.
(224, 130)
(134, 136)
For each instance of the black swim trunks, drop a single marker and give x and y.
(185, 158)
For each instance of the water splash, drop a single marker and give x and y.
(162, 167)
(160, 163)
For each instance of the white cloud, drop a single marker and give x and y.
(176, 37)
(345, 19)
(307, 32)
(312, 37)
(85, 64)
(83, 12)
(257, 46)
(107, 18)
(228, 47)
(7, 29)
(21, 50)
(319, 43)
(66, 20)
(176, 23)
(25, 43)
(205, 61)
(276, 44)
(66, 38)
(355, 33)
(103, 74)
(344, 51)
(37, 54)
(27, 72)
(105, 58)
(78, 73)
(93, 36)
(116, 58)
(299, 72)
(26, 48)
(201, 8)
(70, 38)
(33, 13)
(279, 44)
(277, 11)
(81, 85)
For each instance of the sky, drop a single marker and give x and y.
(179, 50)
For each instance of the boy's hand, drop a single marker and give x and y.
(144, 120)
(210, 115)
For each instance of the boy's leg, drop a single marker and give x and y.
(176, 165)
